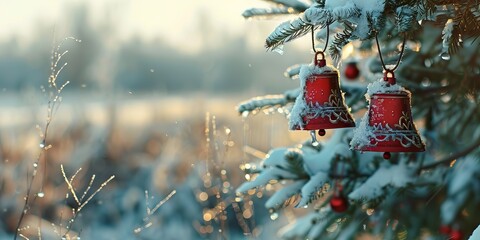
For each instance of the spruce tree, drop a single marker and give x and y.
(412, 195)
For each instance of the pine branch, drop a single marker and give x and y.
(293, 71)
(449, 159)
(259, 103)
(340, 39)
(286, 32)
(429, 7)
(294, 4)
(283, 7)
(406, 19)
(286, 196)
(465, 15)
(295, 164)
(269, 101)
(468, 23)
(266, 12)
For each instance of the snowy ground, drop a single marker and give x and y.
(149, 143)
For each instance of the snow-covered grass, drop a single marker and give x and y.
(150, 144)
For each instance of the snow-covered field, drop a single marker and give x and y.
(189, 144)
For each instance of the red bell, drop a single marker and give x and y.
(324, 102)
(390, 127)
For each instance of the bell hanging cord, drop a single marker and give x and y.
(390, 79)
(320, 62)
(326, 40)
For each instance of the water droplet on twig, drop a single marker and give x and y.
(278, 49)
(314, 138)
(42, 144)
(445, 56)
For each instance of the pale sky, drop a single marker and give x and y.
(174, 21)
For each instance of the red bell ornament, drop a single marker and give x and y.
(321, 104)
(388, 125)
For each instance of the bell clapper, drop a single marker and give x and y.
(387, 155)
(321, 132)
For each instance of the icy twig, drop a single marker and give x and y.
(88, 187)
(80, 203)
(258, 103)
(69, 183)
(163, 201)
(24, 237)
(95, 193)
(150, 212)
(52, 107)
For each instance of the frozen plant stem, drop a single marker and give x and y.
(146, 221)
(162, 202)
(52, 106)
(79, 202)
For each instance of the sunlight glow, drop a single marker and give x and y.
(188, 25)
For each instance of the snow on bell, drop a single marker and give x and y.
(321, 105)
(388, 125)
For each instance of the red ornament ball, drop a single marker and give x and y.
(456, 235)
(445, 229)
(351, 71)
(339, 204)
(387, 155)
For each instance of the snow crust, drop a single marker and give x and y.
(476, 234)
(280, 196)
(318, 228)
(397, 176)
(459, 186)
(336, 145)
(315, 163)
(315, 16)
(300, 227)
(265, 177)
(362, 134)
(276, 157)
(382, 86)
(268, 102)
(447, 35)
(261, 102)
(341, 9)
(355, 11)
(315, 183)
